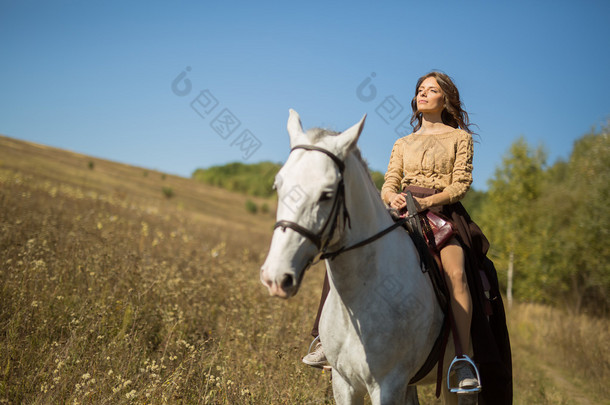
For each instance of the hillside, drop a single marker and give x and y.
(123, 184)
(111, 292)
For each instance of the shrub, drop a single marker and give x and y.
(168, 192)
(251, 207)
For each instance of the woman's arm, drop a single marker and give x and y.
(393, 175)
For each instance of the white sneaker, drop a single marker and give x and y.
(465, 376)
(316, 358)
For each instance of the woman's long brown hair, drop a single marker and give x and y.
(453, 113)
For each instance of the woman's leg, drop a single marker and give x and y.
(452, 258)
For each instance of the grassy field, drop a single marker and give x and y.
(120, 285)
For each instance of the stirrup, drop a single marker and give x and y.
(326, 367)
(458, 390)
(313, 342)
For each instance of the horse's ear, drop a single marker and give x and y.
(348, 138)
(295, 129)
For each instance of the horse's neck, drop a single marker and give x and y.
(368, 216)
(368, 213)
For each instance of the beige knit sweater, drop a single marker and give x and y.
(441, 161)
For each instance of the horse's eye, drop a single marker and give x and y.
(326, 195)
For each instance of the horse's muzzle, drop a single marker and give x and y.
(283, 286)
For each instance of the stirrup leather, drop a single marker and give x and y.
(458, 390)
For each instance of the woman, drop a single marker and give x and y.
(435, 164)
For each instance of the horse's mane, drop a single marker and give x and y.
(316, 134)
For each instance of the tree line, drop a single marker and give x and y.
(251, 179)
(549, 224)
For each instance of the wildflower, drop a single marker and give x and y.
(39, 265)
(144, 228)
(86, 376)
(131, 394)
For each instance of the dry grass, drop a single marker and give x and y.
(111, 293)
(559, 358)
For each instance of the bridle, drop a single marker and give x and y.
(333, 218)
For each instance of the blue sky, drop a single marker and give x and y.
(100, 77)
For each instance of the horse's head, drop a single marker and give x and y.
(310, 203)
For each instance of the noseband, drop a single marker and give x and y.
(316, 239)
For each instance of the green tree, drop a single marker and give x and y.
(574, 219)
(473, 202)
(252, 179)
(378, 178)
(506, 216)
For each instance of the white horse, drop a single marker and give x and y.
(381, 317)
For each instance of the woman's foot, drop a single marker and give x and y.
(466, 377)
(316, 358)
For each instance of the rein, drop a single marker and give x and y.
(333, 218)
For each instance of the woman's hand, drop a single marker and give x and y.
(399, 202)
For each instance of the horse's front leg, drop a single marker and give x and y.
(392, 391)
(412, 398)
(344, 393)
